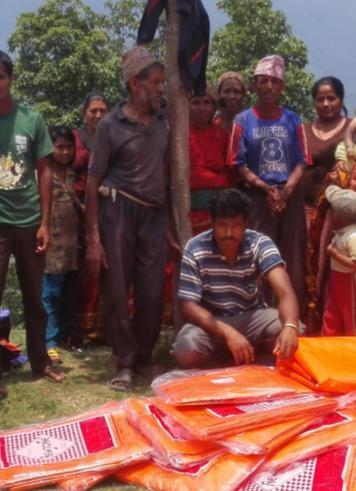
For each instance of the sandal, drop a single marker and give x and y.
(55, 356)
(52, 375)
(149, 370)
(122, 380)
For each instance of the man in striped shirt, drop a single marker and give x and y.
(221, 291)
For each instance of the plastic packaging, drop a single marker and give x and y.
(332, 471)
(217, 422)
(326, 364)
(248, 383)
(224, 473)
(169, 447)
(335, 430)
(43, 454)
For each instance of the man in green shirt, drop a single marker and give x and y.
(25, 203)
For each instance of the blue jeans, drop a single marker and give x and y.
(58, 297)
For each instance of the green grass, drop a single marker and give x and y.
(85, 386)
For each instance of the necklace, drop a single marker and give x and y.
(325, 134)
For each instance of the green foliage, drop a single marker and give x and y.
(62, 52)
(254, 31)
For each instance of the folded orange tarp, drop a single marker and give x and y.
(266, 439)
(249, 383)
(334, 470)
(169, 448)
(217, 422)
(224, 473)
(335, 430)
(43, 454)
(326, 364)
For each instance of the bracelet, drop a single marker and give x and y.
(290, 324)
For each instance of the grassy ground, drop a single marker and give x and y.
(85, 386)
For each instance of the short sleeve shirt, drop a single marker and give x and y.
(208, 279)
(345, 241)
(130, 156)
(271, 148)
(23, 139)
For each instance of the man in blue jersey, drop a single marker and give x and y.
(221, 291)
(268, 146)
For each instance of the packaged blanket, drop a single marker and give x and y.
(243, 384)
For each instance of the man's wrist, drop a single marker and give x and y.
(291, 325)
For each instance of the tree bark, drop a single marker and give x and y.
(178, 113)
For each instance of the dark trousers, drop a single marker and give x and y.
(21, 242)
(133, 237)
(287, 230)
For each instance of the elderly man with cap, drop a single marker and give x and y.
(126, 217)
(269, 148)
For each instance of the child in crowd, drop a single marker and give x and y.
(349, 140)
(59, 282)
(340, 311)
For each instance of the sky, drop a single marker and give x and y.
(326, 26)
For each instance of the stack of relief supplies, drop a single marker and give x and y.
(246, 428)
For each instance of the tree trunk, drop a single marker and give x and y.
(178, 113)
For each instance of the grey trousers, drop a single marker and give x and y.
(196, 348)
(134, 239)
(288, 231)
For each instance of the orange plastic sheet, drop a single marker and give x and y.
(326, 364)
(266, 439)
(335, 430)
(224, 473)
(334, 470)
(248, 383)
(170, 447)
(218, 421)
(43, 454)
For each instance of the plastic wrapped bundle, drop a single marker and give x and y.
(215, 423)
(335, 430)
(224, 473)
(266, 439)
(169, 443)
(243, 384)
(96, 441)
(326, 364)
(331, 471)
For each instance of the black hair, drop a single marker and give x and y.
(145, 73)
(7, 63)
(335, 84)
(94, 95)
(228, 203)
(59, 131)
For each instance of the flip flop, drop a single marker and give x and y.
(122, 380)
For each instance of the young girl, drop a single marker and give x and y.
(59, 280)
(340, 310)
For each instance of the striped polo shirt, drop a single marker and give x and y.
(226, 289)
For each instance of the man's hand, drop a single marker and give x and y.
(287, 343)
(95, 258)
(42, 239)
(239, 347)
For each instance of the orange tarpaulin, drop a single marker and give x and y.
(334, 430)
(224, 473)
(334, 470)
(169, 447)
(325, 364)
(43, 454)
(249, 383)
(217, 422)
